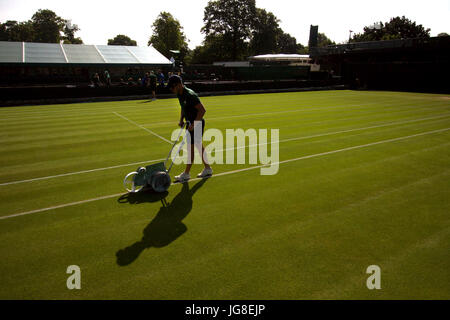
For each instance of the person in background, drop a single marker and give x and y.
(107, 78)
(161, 78)
(153, 80)
(131, 82)
(145, 80)
(96, 80)
(123, 82)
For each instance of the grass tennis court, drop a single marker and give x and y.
(363, 180)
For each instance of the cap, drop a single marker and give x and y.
(173, 81)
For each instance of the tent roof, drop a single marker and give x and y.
(56, 53)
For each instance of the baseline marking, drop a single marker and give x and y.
(235, 171)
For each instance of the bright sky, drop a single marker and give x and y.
(100, 20)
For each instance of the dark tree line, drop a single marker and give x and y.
(396, 28)
(122, 40)
(236, 29)
(233, 29)
(44, 26)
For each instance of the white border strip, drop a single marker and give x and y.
(134, 56)
(332, 152)
(234, 171)
(64, 52)
(61, 206)
(104, 60)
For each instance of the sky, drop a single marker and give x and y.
(100, 20)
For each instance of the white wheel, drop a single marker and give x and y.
(161, 181)
(128, 182)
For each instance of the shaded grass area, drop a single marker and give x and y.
(308, 232)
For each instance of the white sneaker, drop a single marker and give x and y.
(207, 172)
(182, 177)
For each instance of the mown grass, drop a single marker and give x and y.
(308, 232)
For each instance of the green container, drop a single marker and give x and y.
(143, 177)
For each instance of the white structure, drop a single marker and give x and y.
(232, 64)
(291, 59)
(58, 53)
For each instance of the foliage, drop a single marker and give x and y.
(44, 26)
(168, 35)
(236, 29)
(122, 40)
(268, 37)
(323, 40)
(69, 34)
(396, 28)
(16, 31)
(301, 49)
(47, 26)
(286, 43)
(231, 19)
(214, 48)
(265, 34)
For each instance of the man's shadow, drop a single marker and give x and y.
(166, 227)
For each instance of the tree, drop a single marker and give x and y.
(69, 33)
(323, 40)
(47, 26)
(122, 40)
(246, 30)
(231, 19)
(214, 48)
(168, 35)
(265, 33)
(301, 49)
(16, 31)
(268, 37)
(286, 43)
(396, 28)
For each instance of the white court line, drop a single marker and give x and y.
(365, 128)
(235, 171)
(366, 107)
(236, 148)
(51, 118)
(77, 113)
(331, 152)
(61, 206)
(79, 172)
(138, 125)
(282, 112)
(132, 104)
